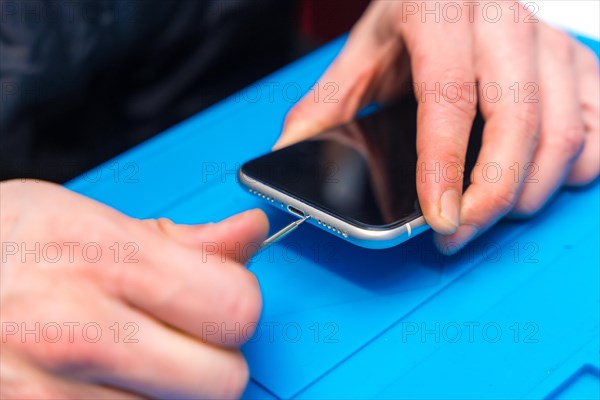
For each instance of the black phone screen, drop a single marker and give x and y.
(362, 172)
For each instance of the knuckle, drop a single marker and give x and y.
(560, 43)
(452, 165)
(84, 356)
(455, 74)
(460, 103)
(443, 165)
(453, 90)
(447, 152)
(528, 117)
(453, 158)
(525, 31)
(100, 356)
(570, 139)
(587, 59)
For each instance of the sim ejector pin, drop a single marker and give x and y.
(283, 232)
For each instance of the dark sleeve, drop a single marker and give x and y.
(84, 80)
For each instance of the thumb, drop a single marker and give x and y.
(344, 88)
(238, 237)
(302, 123)
(342, 92)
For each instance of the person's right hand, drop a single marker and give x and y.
(160, 312)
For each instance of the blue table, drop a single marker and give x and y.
(516, 314)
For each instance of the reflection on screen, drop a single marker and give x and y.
(363, 172)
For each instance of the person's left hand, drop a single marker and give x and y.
(541, 132)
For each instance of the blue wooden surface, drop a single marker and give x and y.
(514, 315)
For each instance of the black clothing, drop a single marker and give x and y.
(83, 80)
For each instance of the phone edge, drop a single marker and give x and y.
(368, 238)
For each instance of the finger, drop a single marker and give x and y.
(587, 165)
(237, 237)
(153, 360)
(182, 286)
(92, 392)
(168, 364)
(444, 80)
(562, 134)
(68, 389)
(21, 380)
(111, 344)
(511, 129)
(192, 290)
(369, 62)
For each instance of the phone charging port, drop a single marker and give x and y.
(295, 211)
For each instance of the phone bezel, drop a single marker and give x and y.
(364, 236)
(350, 221)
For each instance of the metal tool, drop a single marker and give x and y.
(282, 232)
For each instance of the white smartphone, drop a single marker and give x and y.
(358, 180)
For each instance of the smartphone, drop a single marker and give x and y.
(357, 180)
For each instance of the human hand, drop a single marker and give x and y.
(95, 304)
(537, 89)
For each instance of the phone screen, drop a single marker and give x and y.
(363, 172)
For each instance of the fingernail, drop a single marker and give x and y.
(450, 208)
